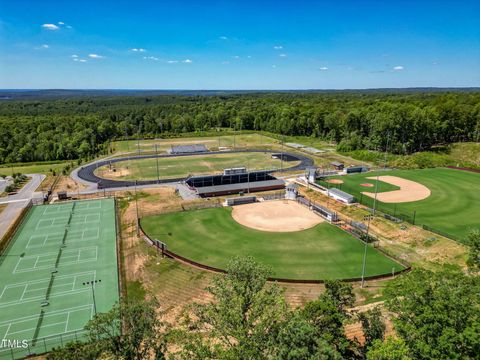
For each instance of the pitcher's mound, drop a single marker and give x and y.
(276, 216)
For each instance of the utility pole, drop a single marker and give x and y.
(158, 173)
(136, 209)
(92, 284)
(365, 252)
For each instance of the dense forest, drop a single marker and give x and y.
(402, 123)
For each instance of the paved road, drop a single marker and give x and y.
(17, 202)
(85, 174)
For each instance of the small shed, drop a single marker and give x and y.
(291, 191)
(311, 174)
(62, 195)
(341, 196)
(337, 165)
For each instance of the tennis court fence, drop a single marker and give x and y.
(22, 349)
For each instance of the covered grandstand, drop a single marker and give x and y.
(218, 185)
(188, 149)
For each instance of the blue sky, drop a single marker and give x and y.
(239, 44)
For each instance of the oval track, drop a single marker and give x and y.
(87, 173)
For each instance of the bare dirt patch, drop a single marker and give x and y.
(66, 183)
(367, 185)
(334, 181)
(110, 174)
(276, 216)
(409, 190)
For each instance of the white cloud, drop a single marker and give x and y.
(323, 68)
(172, 61)
(82, 60)
(398, 68)
(79, 60)
(95, 56)
(283, 55)
(50, 26)
(187, 61)
(138, 50)
(151, 58)
(44, 46)
(278, 47)
(69, 27)
(74, 56)
(249, 57)
(236, 57)
(223, 38)
(61, 23)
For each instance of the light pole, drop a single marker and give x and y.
(92, 284)
(365, 251)
(158, 174)
(136, 209)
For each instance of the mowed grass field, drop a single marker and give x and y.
(181, 166)
(453, 206)
(212, 237)
(211, 142)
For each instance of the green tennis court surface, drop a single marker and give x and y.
(44, 295)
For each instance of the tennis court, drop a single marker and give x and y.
(46, 274)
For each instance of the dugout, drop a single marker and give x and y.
(355, 169)
(324, 212)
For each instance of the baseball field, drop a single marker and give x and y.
(320, 251)
(446, 200)
(146, 169)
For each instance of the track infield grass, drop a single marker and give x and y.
(182, 166)
(212, 237)
(37, 267)
(453, 206)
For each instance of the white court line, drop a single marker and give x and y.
(57, 312)
(66, 322)
(8, 329)
(23, 293)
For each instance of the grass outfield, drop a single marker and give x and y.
(146, 169)
(37, 267)
(453, 206)
(212, 237)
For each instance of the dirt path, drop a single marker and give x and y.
(276, 216)
(409, 190)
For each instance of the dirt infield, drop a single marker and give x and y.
(367, 185)
(334, 181)
(409, 190)
(276, 216)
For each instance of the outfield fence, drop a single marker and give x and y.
(22, 349)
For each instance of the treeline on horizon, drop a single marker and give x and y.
(72, 128)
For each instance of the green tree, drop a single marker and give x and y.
(373, 325)
(328, 314)
(473, 260)
(437, 314)
(141, 334)
(241, 321)
(389, 349)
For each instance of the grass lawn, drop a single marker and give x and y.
(211, 142)
(146, 169)
(33, 168)
(453, 206)
(213, 237)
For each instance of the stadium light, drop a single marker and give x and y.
(92, 283)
